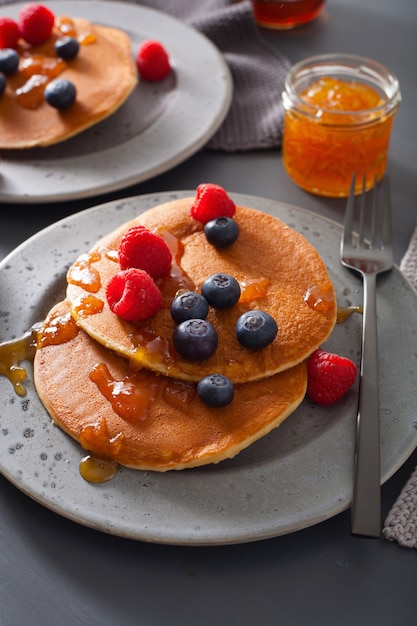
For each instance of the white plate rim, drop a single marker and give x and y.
(199, 106)
(239, 500)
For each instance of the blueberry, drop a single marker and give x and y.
(2, 83)
(9, 60)
(221, 291)
(221, 232)
(256, 329)
(195, 339)
(67, 48)
(216, 390)
(189, 305)
(60, 93)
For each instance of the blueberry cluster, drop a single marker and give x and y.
(196, 339)
(59, 93)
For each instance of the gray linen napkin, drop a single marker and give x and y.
(256, 115)
(401, 522)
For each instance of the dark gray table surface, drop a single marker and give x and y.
(54, 571)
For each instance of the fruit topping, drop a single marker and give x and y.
(133, 295)
(211, 201)
(67, 48)
(35, 23)
(221, 291)
(221, 231)
(9, 60)
(195, 339)
(216, 390)
(9, 33)
(256, 329)
(60, 93)
(145, 250)
(2, 83)
(330, 376)
(189, 305)
(152, 61)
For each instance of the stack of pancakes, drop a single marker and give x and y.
(103, 73)
(120, 388)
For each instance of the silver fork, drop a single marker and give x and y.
(366, 248)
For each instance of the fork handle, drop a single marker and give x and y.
(366, 506)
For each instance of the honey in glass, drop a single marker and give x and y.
(281, 14)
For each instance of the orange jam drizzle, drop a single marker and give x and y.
(177, 280)
(58, 329)
(30, 94)
(88, 305)
(39, 64)
(12, 353)
(179, 394)
(66, 26)
(152, 345)
(320, 298)
(129, 397)
(253, 289)
(95, 437)
(83, 274)
(347, 135)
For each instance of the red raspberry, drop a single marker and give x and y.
(141, 248)
(329, 376)
(35, 23)
(211, 201)
(152, 61)
(133, 295)
(9, 33)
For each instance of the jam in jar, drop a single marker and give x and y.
(339, 111)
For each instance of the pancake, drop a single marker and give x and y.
(279, 272)
(103, 73)
(146, 421)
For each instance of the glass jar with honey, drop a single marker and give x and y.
(285, 14)
(339, 109)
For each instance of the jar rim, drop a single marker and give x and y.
(361, 69)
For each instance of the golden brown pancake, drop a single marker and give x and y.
(278, 270)
(103, 73)
(147, 421)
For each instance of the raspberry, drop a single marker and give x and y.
(9, 33)
(35, 23)
(211, 201)
(152, 61)
(329, 376)
(133, 295)
(141, 248)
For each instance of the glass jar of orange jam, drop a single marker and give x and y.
(339, 111)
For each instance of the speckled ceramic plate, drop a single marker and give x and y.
(158, 127)
(297, 476)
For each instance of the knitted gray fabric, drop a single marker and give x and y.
(256, 115)
(401, 522)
